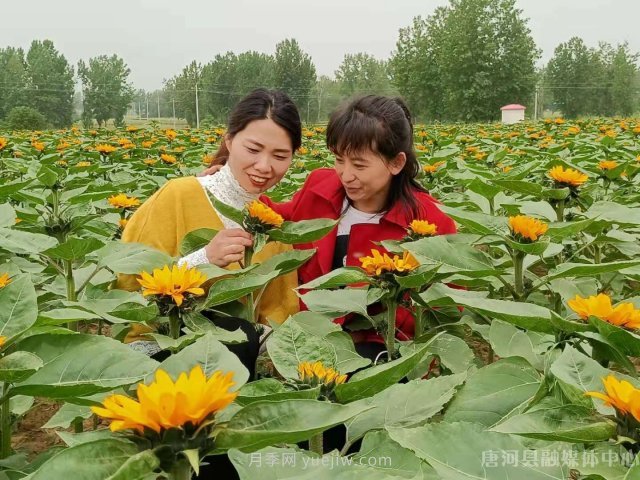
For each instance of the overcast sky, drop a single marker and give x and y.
(158, 37)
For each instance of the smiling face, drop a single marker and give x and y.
(366, 177)
(259, 155)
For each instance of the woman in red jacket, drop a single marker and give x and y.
(373, 189)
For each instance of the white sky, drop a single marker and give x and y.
(158, 37)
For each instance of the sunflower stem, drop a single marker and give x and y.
(419, 321)
(518, 263)
(174, 323)
(5, 423)
(181, 470)
(316, 444)
(560, 210)
(390, 338)
(251, 314)
(71, 289)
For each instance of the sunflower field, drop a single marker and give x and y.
(527, 346)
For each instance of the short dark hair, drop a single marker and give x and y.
(380, 124)
(259, 104)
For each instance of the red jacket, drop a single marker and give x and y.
(322, 196)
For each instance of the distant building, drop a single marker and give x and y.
(513, 113)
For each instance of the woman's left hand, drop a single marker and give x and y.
(210, 170)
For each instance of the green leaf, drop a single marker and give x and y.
(261, 424)
(73, 439)
(304, 231)
(495, 392)
(196, 239)
(285, 262)
(18, 306)
(551, 420)
(67, 372)
(196, 322)
(211, 355)
(270, 389)
(289, 345)
(226, 210)
(47, 176)
(7, 215)
(339, 277)
(419, 277)
(230, 289)
(509, 341)
(74, 249)
(17, 366)
(459, 451)
(16, 241)
(455, 258)
(336, 303)
(626, 341)
(107, 456)
(524, 315)
(587, 270)
(477, 222)
(404, 405)
(370, 381)
(131, 258)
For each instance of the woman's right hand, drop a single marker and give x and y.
(228, 246)
(209, 170)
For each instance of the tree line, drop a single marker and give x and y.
(461, 63)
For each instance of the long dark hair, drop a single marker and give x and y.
(258, 105)
(383, 125)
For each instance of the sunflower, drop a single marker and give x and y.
(431, 169)
(621, 395)
(622, 315)
(569, 177)
(264, 215)
(4, 280)
(3, 142)
(123, 201)
(607, 164)
(83, 164)
(422, 228)
(105, 149)
(527, 228)
(317, 374)
(378, 264)
(39, 146)
(174, 282)
(165, 404)
(168, 158)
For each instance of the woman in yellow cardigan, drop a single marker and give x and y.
(264, 131)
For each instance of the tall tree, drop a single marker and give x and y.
(13, 80)
(106, 90)
(295, 73)
(363, 73)
(467, 59)
(623, 70)
(51, 83)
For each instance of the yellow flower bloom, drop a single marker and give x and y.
(83, 164)
(3, 142)
(316, 373)
(171, 134)
(105, 149)
(131, 128)
(559, 121)
(423, 228)
(4, 280)
(122, 201)
(573, 130)
(622, 315)
(147, 144)
(264, 214)
(39, 146)
(174, 282)
(378, 263)
(621, 395)
(432, 168)
(303, 151)
(168, 158)
(3, 340)
(149, 161)
(527, 227)
(607, 164)
(569, 176)
(165, 404)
